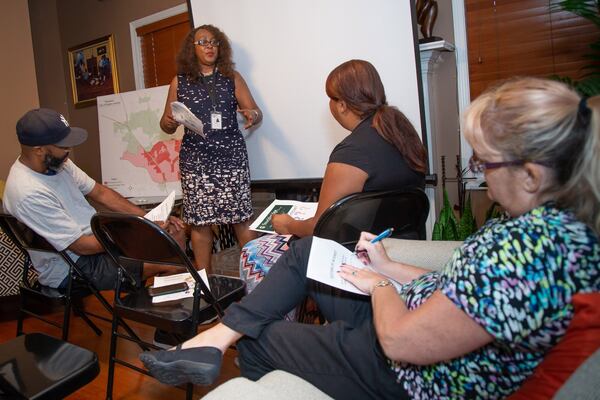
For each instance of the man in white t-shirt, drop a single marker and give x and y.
(47, 192)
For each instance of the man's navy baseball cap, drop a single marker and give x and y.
(43, 126)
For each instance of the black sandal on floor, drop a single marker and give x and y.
(197, 365)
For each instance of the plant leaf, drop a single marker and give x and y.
(589, 86)
(446, 224)
(437, 231)
(587, 9)
(467, 224)
(449, 231)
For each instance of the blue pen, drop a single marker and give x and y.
(385, 234)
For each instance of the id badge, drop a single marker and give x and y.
(216, 120)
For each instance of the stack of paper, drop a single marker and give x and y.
(178, 278)
(184, 116)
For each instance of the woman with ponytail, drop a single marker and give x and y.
(479, 327)
(382, 152)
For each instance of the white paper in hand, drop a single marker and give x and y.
(296, 209)
(326, 257)
(162, 211)
(184, 116)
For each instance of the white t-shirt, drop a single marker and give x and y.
(53, 206)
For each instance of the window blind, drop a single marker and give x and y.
(522, 37)
(160, 42)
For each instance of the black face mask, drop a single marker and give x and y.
(54, 163)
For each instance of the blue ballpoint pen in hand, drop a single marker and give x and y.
(385, 234)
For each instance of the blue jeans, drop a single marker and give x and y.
(101, 271)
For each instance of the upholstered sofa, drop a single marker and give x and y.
(583, 384)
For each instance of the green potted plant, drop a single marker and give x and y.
(589, 84)
(448, 227)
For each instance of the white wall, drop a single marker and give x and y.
(285, 49)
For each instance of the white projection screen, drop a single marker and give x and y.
(285, 49)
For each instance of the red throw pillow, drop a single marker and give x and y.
(581, 340)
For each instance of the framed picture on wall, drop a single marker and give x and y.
(93, 70)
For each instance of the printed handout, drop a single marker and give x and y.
(324, 262)
(184, 116)
(296, 209)
(162, 211)
(326, 257)
(177, 278)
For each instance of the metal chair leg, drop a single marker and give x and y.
(110, 309)
(20, 322)
(66, 320)
(88, 321)
(189, 391)
(131, 333)
(20, 317)
(111, 358)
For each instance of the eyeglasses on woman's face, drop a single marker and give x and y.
(206, 42)
(477, 166)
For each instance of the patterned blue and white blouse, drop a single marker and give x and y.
(515, 277)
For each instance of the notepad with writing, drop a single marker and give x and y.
(326, 257)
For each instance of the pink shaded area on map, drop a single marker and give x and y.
(161, 161)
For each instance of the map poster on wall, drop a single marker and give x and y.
(138, 159)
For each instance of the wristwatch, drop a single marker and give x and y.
(381, 283)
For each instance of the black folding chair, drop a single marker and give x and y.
(40, 367)
(133, 238)
(405, 210)
(35, 297)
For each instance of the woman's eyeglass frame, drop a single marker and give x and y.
(478, 166)
(206, 43)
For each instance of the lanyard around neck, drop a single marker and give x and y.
(211, 87)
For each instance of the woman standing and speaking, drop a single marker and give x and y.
(215, 176)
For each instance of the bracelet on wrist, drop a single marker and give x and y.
(381, 283)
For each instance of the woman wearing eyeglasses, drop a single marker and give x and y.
(477, 328)
(215, 176)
